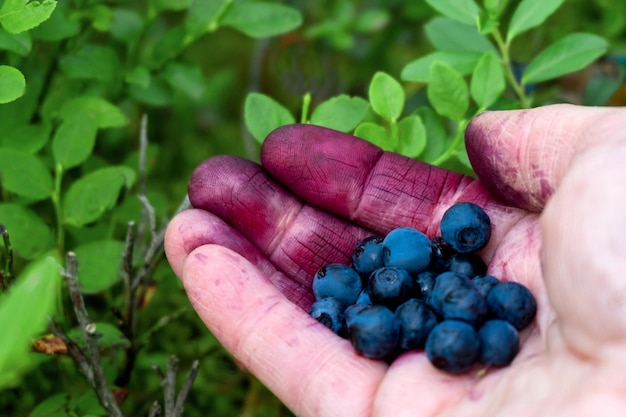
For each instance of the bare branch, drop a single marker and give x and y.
(155, 410)
(182, 396)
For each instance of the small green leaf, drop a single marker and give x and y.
(28, 137)
(20, 43)
(530, 14)
(571, 53)
(30, 236)
(262, 115)
(259, 19)
(412, 136)
(202, 16)
(74, 140)
(386, 96)
(101, 16)
(24, 314)
(447, 34)
(186, 78)
(21, 15)
(447, 91)
(341, 113)
(126, 25)
(110, 336)
(99, 265)
(24, 174)
(419, 70)
(52, 406)
(62, 24)
(157, 93)
(488, 81)
(487, 23)
(436, 134)
(465, 11)
(372, 20)
(94, 194)
(105, 114)
(375, 134)
(12, 84)
(139, 76)
(92, 62)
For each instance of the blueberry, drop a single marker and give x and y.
(416, 322)
(468, 264)
(407, 248)
(453, 346)
(499, 343)
(454, 297)
(484, 283)
(441, 252)
(391, 286)
(373, 331)
(368, 255)
(466, 227)
(426, 281)
(329, 312)
(364, 298)
(339, 281)
(513, 302)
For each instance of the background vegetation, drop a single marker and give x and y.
(108, 105)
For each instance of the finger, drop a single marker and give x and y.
(584, 245)
(521, 156)
(314, 372)
(379, 190)
(296, 238)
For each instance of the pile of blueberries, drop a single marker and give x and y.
(405, 291)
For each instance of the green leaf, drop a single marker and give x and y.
(126, 25)
(487, 23)
(419, 70)
(92, 62)
(376, 134)
(59, 26)
(262, 115)
(24, 314)
(74, 140)
(372, 20)
(94, 194)
(101, 16)
(571, 53)
(12, 84)
(465, 11)
(99, 265)
(386, 96)
(341, 113)
(437, 139)
(21, 15)
(259, 19)
(447, 34)
(203, 15)
(411, 136)
(24, 174)
(30, 236)
(105, 114)
(20, 43)
(52, 406)
(110, 336)
(186, 78)
(171, 4)
(529, 14)
(29, 138)
(488, 81)
(157, 93)
(447, 91)
(139, 76)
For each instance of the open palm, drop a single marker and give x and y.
(248, 250)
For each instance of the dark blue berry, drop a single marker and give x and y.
(484, 283)
(499, 342)
(513, 302)
(426, 281)
(391, 286)
(329, 312)
(364, 298)
(368, 255)
(407, 248)
(373, 330)
(468, 264)
(453, 346)
(454, 297)
(466, 227)
(338, 281)
(416, 322)
(441, 252)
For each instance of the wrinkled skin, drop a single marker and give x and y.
(553, 181)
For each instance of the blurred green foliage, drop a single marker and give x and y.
(92, 68)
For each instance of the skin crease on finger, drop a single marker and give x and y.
(524, 388)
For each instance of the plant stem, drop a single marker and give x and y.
(306, 103)
(456, 142)
(518, 88)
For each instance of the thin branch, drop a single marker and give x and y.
(155, 409)
(169, 386)
(88, 329)
(182, 396)
(74, 351)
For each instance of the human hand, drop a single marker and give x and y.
(553, 182)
